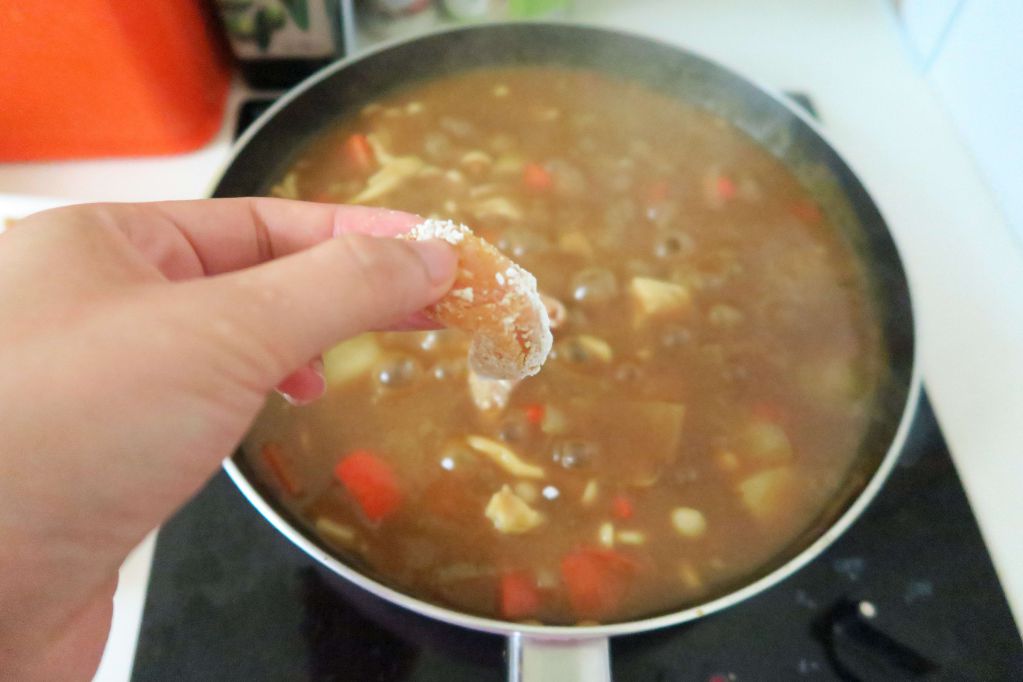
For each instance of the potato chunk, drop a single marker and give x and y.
(766, 442)
(765, 494)
(585, 349)
(350, 359)
(656, 298)
(510, 515)
(688, 522)
(576, 243)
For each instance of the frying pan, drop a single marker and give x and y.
(565, 653)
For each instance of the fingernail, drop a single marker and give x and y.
(301, 401)
(304, 385)
(439, 259)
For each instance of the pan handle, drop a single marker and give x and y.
(538, 659)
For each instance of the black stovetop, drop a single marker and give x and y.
(231, 599)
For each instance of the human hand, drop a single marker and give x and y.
(137, 343)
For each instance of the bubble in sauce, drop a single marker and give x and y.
(574, 453)
(594, 285)
(673, 244)
(398, 372)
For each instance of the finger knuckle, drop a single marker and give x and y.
(382, 264)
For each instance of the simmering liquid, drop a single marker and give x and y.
(707, 393)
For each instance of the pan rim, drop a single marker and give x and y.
(570, 632)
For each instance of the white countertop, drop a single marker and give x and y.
(965, 268)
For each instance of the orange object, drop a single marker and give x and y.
(519, 596)
(534, 413)
(725, 187)
(273, 455)
(596, 580)
(372, 483)
(621, 507)
(108, 77)
(359, 152)
(536, 177)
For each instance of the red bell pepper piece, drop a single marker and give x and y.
(534, 413)
(519, 596)
(621, 507)
(596, 580)
(372, 483)
(359, 152)
(273, 455)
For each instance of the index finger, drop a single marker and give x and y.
(186, 239)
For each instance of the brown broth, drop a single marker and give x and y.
(746, 406)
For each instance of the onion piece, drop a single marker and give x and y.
(504, 457)
(392, 175)
(510, 515)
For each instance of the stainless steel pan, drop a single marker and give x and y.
(564, 653)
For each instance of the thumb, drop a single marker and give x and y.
(293, 308)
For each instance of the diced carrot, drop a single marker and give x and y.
(536, 177)
(807, 211)
(621, 507)
(596, 580)
(534, 413)
(273, 455)
(359, 152)
(725, 187)
(372, 483)
(657, 192)
(519, 596)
